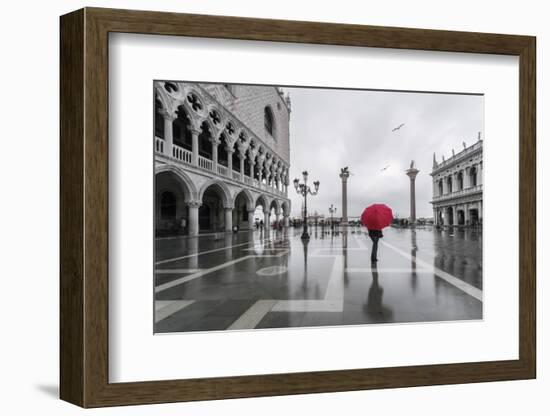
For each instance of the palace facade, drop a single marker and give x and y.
(458, 187)
(221, 151)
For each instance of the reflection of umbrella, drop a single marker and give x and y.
(376, 216)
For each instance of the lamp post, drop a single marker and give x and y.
(303, 189)
(332, 211)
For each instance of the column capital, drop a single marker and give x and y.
(194, 204)
(228, 207)
(168, 115)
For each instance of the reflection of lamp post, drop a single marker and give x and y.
(332, 211)
(303, 189)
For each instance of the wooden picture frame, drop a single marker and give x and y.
(84, 207)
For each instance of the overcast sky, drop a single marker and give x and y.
(330, 129)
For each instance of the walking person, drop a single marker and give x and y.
(375, 218)
(375, 235)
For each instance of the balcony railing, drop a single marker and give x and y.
(159, 145)
(185, 156)
(462, 192)
(206, 163)
(222, 170)
(182, 154)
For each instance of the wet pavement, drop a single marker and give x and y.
(275, 280)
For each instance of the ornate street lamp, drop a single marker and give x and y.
(303, 189)
(332, 211)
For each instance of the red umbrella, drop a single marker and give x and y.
(377, 216)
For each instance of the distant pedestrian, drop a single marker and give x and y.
(261, 224)
(375, 235)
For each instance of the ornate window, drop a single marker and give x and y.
(268, 121)
(170, 87)
(194, 102)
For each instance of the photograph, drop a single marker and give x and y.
(296, 206)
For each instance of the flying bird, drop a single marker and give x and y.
(398, 127)
(384, 168)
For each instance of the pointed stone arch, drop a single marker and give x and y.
(249, 198)
(225, 193)
(189, 188)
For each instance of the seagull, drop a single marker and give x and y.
(398, 127)
(384, 168)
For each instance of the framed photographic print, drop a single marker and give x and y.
(257, 207)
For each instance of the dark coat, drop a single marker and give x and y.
(375, 234)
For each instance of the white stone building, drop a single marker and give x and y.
(221, 150)
(458, 187)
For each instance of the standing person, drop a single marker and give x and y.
(375, 218)
(375, 235)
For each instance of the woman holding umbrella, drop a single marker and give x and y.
(376, 217)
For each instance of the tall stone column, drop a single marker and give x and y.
(454, 181)
(411, 173)
(446, 221)
(277, 216)
(260, 171)
(344, 175)
(194, 218)
(266, 219)
(252, 163)
(230, 151)
(228, 218)
(241, 165)
(286, 220)
(480, 173)
(168, 134)
(251, 218)
(195, 147)
(215, 144)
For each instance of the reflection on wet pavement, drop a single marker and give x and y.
(276, 280)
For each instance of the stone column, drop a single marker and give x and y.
(277, 216)
(228, 218)
(466, 214)
(445, 216)
(260, 172)
(241, 165)
(194, 218)
(266, 220)
(168, 134)
(480, 173)
(411, 173)
(230, 151)
(454, 180)
(215, 144)
(251, 218)
(195, 147)
(286, 220)
(252, 163)
(344, 175)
